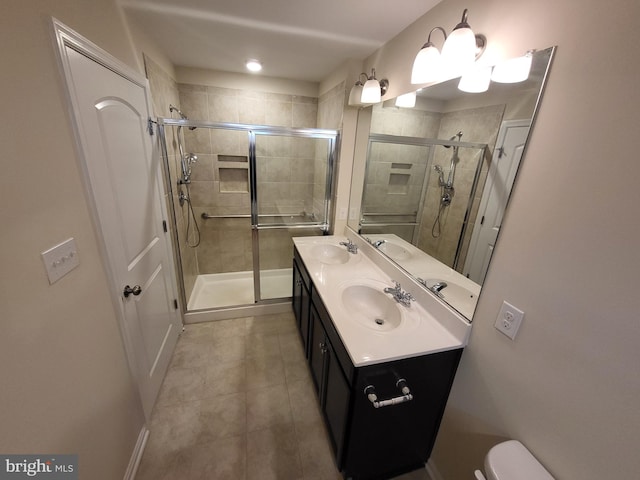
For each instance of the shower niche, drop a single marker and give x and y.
(233, 172)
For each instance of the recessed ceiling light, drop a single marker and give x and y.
(253, 65)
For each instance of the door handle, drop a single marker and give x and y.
(136, 290)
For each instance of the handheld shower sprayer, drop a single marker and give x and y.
(186, 161)
(447, 191)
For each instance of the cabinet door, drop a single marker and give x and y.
(336, 406)
(317, 348)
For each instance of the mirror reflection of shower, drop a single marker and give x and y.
(184, 195)
(447, 190)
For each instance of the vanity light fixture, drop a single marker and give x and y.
(476, 80)
(355, 95)
(408, 100)
(461, 48)
(253, 65)
(513, 70)
(368, 92)
(373, 89)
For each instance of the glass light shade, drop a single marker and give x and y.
(427, 65)
(408, 100)
(476, 80)
(513, 70)
(253, 65)
(355, 94)
(371, 91)
(459, 51)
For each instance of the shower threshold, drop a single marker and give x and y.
(218, 290)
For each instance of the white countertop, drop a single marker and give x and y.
(420, 332)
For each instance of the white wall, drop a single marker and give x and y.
(65, 384)
(569, 386)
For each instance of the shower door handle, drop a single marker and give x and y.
(136, 290)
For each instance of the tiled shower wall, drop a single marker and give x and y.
(395, 173)
(164, 92)
(220, 177)
(331, 106)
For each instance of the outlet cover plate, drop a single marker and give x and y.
(60, 260)
(509, 320)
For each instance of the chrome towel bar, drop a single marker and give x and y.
(407, 396)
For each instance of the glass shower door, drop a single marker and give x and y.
(291, 193)
(239, 194)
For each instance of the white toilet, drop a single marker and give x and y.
(512, 461)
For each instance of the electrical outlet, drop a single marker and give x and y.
(509, 320)
(342, 214)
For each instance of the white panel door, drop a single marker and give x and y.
(502, 172)
(111, 114)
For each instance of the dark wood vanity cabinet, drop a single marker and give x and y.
(371, 443)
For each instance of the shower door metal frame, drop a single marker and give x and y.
(333, 136)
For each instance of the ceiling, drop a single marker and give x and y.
(294, 39)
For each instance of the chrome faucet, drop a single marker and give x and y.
(400, 296)
(351, 247)
(378, 243)
(436, 287)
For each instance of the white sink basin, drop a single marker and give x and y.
(330, 254)
(393, 251)
(371, 307)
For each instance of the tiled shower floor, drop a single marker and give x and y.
(238, 403)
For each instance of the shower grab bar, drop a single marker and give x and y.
(290, 226)
(379, 224)
(207, 216)
(382, 214)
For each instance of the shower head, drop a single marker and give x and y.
(182, 115)
(177, 110)
(457, 135)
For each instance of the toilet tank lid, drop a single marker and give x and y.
(511, 460)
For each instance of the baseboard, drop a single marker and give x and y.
(136, 455)
(432, 471)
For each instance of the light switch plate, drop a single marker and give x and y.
(509, 320)
(60, 260)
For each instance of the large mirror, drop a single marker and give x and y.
(431, 182)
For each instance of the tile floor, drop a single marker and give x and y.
(238, 403)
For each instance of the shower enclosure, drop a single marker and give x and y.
(239, 193)
(425, 191)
